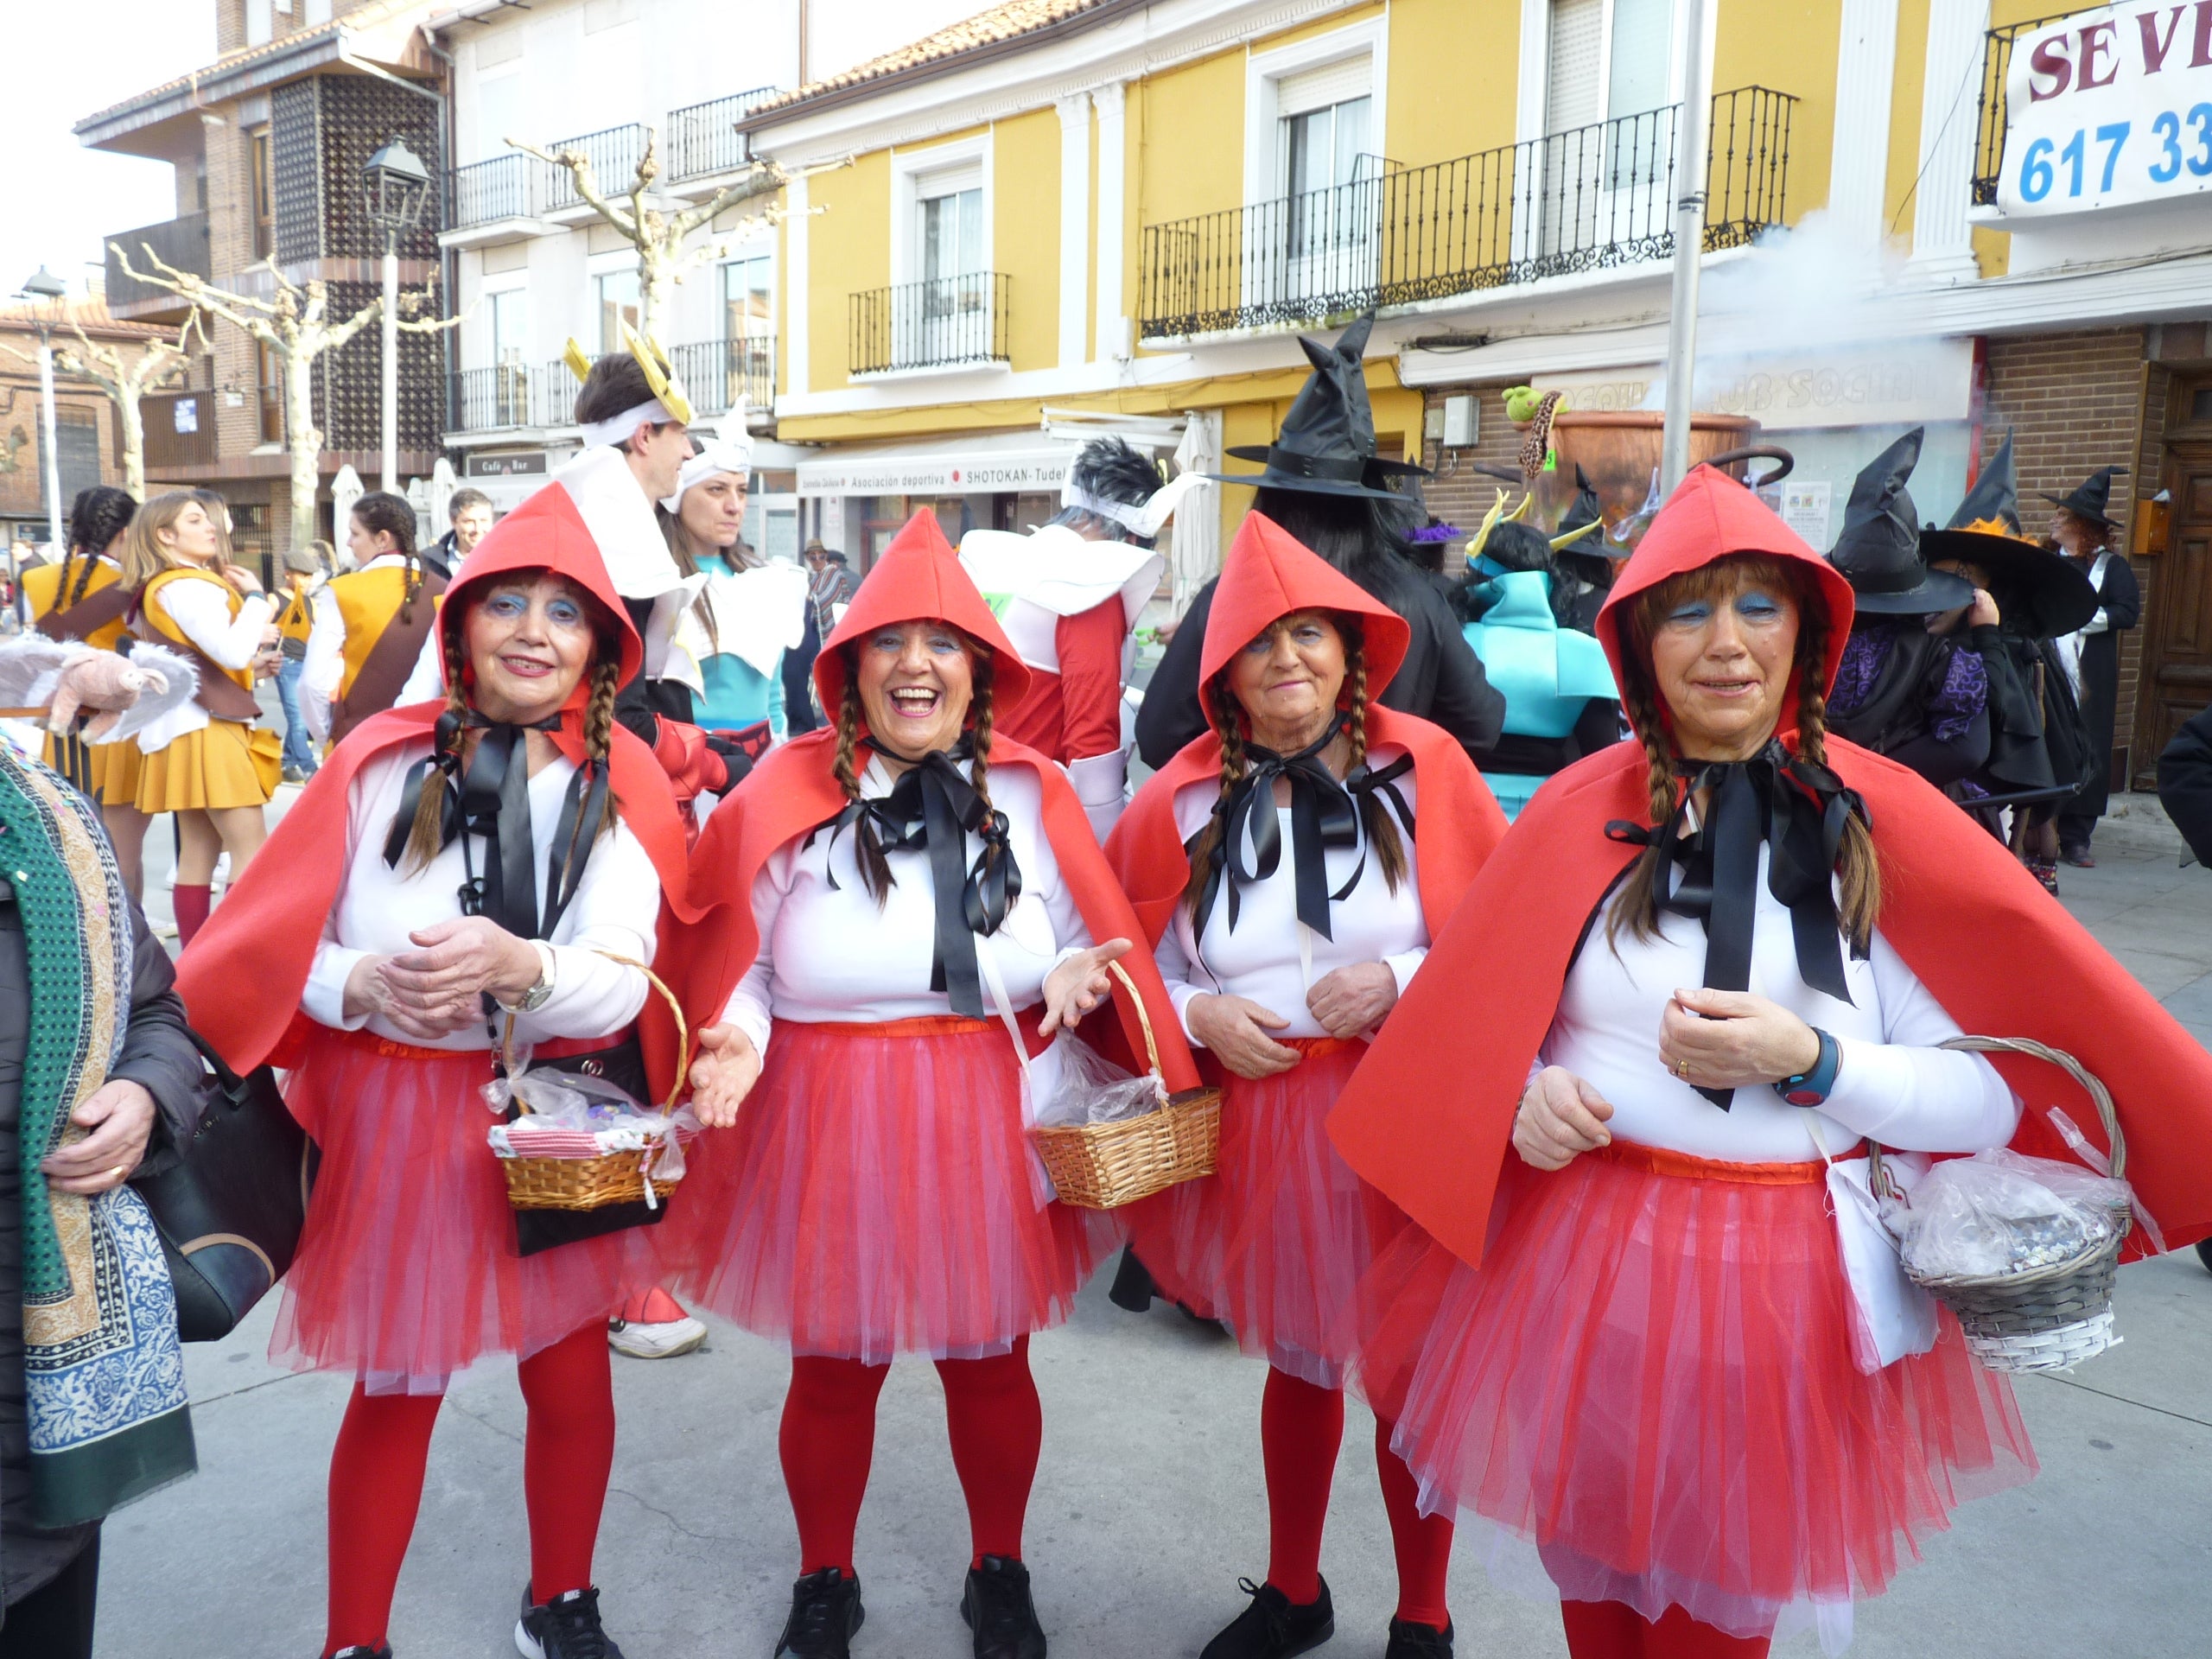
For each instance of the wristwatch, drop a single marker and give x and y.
(1812, 1087)
(534, 999)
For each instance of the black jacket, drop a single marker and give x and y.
(2185, 784)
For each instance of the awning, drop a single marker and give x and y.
(979, 466)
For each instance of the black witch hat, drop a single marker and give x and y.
(1326, 446)
(1878, 551)
(2091, 499)
(2042, 593)
(1580, 545)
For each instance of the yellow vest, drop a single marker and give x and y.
(42, 586)
(367, 602)
(157, 616)
(297, 619)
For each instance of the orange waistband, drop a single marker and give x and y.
(1664, 1160)
(1313, 1047)
(921, 1025)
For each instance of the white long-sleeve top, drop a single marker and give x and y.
(615, 909)
(830, 954)
(323, 670)
(1894, 1085)
(201, 612)
(1260, 957)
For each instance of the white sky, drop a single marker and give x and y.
(58, 199)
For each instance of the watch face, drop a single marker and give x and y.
(1804, 1098)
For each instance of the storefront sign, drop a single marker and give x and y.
(2108, 108)
(981, 471)
(1900, 382)
(531, 465)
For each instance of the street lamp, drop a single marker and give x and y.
(44, 286)
(395, 185)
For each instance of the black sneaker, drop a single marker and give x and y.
(997, 1607)
(826, 1611)
(1410, 1639)
(1274, 1627)
(357, 1651)
(566, 1627)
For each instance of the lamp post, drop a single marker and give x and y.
(1693, 138)
(394, 188)
(50, 288)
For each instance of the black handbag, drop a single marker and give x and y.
(230, 1210)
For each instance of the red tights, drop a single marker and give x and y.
(376, 1483)
(1612, 1630)
(992, 1414)
(1300, 1429)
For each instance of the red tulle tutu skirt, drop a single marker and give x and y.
(1277, 1240)
(877, 1197)
(407, 1269)
(1650, 1380)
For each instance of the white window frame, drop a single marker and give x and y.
(918, 172)
(597, 265)
(506, 282)
(1262, 111)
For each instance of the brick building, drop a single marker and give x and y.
(90, 443)
(268, 143)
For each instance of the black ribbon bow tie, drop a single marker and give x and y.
(1797, 810)
(933, 808)
(493, 801)
(1324, 813)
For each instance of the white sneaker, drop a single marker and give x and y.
(663, 1341)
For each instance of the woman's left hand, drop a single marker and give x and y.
(457, 960)
(1348, 1000)
(120, 1115)
(1078, 985)
(1732, 1040)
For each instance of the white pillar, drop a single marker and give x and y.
(1112, 331)
(56, 545)
(1075, 228)
(1942, 241)
(797, 291)
(1865, 78)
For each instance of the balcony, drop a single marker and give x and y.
(719, 374)
(703, 139)
(505, 187)
(556, 394)
(614, 153)
(491, 399)
(1593, 198)
(181, 243)
(948, 322)
(1989, 111)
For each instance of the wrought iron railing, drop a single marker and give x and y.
(942, 323)
(703, 139)
(614, 153)
(718, 373)
(1598, 196)
(558, 387)
(181, 242)
(1989, 111)
(506, 186)
(485, 400)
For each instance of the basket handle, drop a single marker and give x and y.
(1144, 1018)
(2099, 1096)
(683, 1031)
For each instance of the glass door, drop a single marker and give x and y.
(949, 310)
(1328, 240)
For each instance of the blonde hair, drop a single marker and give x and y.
(144, 555)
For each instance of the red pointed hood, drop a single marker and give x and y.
(920, 578)
(1707, 517)
(545, 533)
(1268, 574)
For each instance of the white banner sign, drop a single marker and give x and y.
(2108, 108)
(976, 473)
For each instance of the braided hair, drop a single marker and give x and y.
(97, 517)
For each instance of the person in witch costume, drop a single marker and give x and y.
(1903, 689)
(1325, 485)
(2083, 527)
(1603, 1165)
(453, 866)
(895, 902)
(1580, 551)
(1281, 959)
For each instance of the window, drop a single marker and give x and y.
(1326, 147)
(270, 371)
(618, 304)
(1609, 121)
(499, 115)
(265, 193)
(746, 299)
(1610, 59)
(951, 237)
(259, 23)
(509, 310)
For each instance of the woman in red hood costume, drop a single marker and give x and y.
(1280, 958)
(346, 956)
(892, 894)
(1663, 1375)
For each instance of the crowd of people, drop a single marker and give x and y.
(1552, 934)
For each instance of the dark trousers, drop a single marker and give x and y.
(55, 1620)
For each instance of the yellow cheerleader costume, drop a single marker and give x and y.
(67, 602)
(209, 754)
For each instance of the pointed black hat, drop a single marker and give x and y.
(1327, 442)
(2091, 499)
(2042, 593)
(1586, 554)
(1879, 548)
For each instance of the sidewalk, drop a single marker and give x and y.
(1149, 1503)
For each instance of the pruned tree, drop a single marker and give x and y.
(294, 324)
(126, 380)
(658, 236)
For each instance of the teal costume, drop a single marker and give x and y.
(1549, 674)
(737, 695)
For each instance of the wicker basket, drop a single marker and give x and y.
(1105, 1166)
(614, 1177)
(2049, 1318)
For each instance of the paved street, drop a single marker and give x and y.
(1148, 1504)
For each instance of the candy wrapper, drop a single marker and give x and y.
(573, 1115)
(1093, 1090)
(1998, 1213)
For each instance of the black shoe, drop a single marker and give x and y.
(1274, 1627)
(1133, 1288)
(997, 1607)
(566, 1627)
(826, 1611)
(1412, 1640)
(2078, 857)
(357, 1651)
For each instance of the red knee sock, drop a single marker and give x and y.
(568, 1453)
(1421, 1542)
(827, 1441)
(1675, 1635)
(376, 1487)
(189, 901)
(996, 1424)
(1610, 1629)
(1300, 1429)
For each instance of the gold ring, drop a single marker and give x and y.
(1681, 1068)
(118, 1172)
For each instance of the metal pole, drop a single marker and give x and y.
(392, 361)
(53, 448)
(1693, 138)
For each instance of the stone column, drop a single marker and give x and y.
(1112, 329)
(1075, 228)
(1942, 241)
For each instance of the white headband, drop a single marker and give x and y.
(720, 456)
(1147, 520)
(617, 429)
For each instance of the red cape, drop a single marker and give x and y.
(1428, 1116)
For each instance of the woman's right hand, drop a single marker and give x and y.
(1560, 1118)
(369, 995)
(240, 578)
(722, 1074)
(1236, 1029)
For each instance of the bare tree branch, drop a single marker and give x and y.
(579, 167)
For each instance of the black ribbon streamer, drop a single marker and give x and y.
(933, 808)
(1324, 813)
(1797, 810)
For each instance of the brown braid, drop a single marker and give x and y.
(1228, 725)
(1375, 820)
(426, 839)
(979, 771)
(867, 852)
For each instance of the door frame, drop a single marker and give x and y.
(2182, 440)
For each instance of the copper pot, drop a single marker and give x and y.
(1619, 451)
